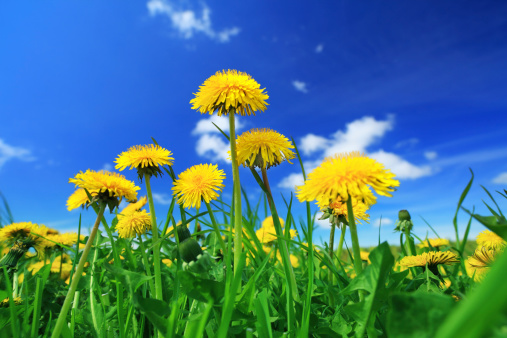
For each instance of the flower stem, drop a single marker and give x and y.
(156, 244)
(62, 318)
(215, 227)
(146, 264)
(331, 251)
(340, 243)
(358, 264)
(238, 226)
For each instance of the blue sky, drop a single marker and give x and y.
(418, 85)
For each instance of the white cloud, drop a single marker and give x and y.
(322, 223)
(430, 155)
(300, 86)
(187, 22)
(213, 147)
(407, 143)
(107, 167)
(291, 181)
(206, 126)
(8, 152)
(319, 48)
(163, 199)
(501, 179)
(385, 221)
(400, 167)
(359, 135)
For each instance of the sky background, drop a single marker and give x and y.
(418, 85)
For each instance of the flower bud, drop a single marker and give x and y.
(189, 250)
(404, 215)
(183, 232)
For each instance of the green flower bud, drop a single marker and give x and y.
(183, 232)
(404, 215)
(189, 250)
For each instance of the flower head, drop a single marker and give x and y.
(347, 174)
(267, 232)
(105, 185)
(263, 148)
(67, 239)
(479, 263)
(434, 242)
(31, 234)
(146, 159)
(133, 224)
(490, 240)
(133, 207)
(77, 199)
(202, 181)
(432, 259)
(230, 89)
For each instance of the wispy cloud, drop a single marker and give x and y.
(319, 48)
(211, 143)
(359, 135)
(430, 155)
(163, 199)
(187, 22)
(382, 221)
(8, 152)
(107, 167)
(300, 86)
(501, 179)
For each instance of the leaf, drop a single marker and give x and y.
(417, 314)
(200, 288)
(373, 280)
(263, 323)
(154, 310)
(496, 224)
(132, 280)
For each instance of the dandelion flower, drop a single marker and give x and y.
(133, 224)
(263, 148)
(31, 234)
(268, 222)
(490, 240)
(77, 199)
(5, 302)
(434, 242)
(167, 262)
(105, 183)
(202, 181)
(230, 89)
(267, 232)
(347, 174)
(67, 239)
(478, 264)
(365, 256)
(146, 159)
(432, 259)
(132, 207)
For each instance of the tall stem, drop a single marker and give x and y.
(62, 318)
(238, 226)
(340, 243)
(358, 264)
(331, 251)
(215, 227)
(156, 244)
(146, 264)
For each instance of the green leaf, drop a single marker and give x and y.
(496, 224)
(417, 314)
(200, 288)
(132, 280)
(373, 280)
(263, 323)
(154, 310)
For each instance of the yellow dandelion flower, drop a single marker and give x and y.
(477, 265)
(347, 174)
(230, 89)
(365, 256)
(104, 182)
(146, 159)
(268, 222)
(132, 207)
(339, 208)
(77, 199)
(32, 234)
(198, 182)
(432, 259)
(67, 239)
(434, 242)
(266, 234)
(53, 231)
(490, 240)
(133, 224)
(167, 262)
(263, 148)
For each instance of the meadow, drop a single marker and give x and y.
(248, 268)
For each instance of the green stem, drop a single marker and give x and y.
(156, 244)
(330, 276)
(146, 264)
(340, 243)
(92, 283)
(215, 227)
(73, 312)
(37, 306)
(62, 318)
(238, 226)
(358, 264)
